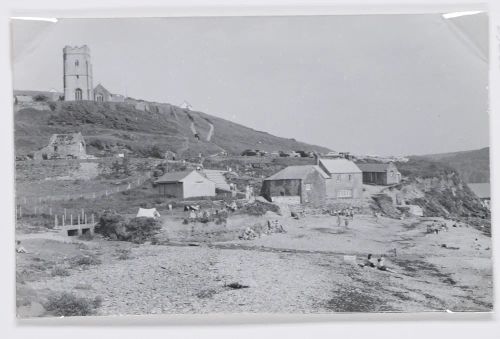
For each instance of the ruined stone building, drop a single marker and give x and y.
(63, 146)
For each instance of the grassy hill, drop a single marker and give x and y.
(111, 127)
(473, 166)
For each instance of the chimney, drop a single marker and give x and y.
(316, 156)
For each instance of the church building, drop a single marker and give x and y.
(78, 79)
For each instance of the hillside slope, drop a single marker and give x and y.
(438, 189)
(111, 127)
(473, 166)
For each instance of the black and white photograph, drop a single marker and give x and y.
(307, 164)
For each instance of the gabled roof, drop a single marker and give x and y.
(374, 167)
(173, 177)
(334, 166)
(297, 173)
(218, 178)
(482, 190)
(101, 88)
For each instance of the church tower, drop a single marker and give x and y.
(77, 74)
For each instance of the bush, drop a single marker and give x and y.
(111, 225)
(69, 305)
(41, 97)
(84, 260)
(141, 229)
(123, 254)
(136, 230)
(60, 271)
(259, 208)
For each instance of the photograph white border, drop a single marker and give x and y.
(391, 325)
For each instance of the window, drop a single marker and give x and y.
(350, 177)
(78, 77)
(339, 177)
(77, 63)
(308, 187)
(78, 94)
(344, 194)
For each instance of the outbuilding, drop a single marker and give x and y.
(380, 173)
(185, 184)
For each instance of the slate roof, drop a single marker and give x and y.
(173, 177)
(334, 166)
(482, 190)
(373, 167)
(297, 173)
(217, 177)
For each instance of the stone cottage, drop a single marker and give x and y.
(345, 181)
(296, 185)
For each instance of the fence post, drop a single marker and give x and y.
(65, 213)
(63, 220)
(83, 212)
(85, 219)
(71, 216)
(78, 218)
(55, 221)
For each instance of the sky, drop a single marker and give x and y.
(368, 84)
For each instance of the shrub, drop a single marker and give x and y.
(60, 271)
(123, 254)
(85, 260)
(141, 229)
(259, 208)
(111, 224)
(41, 97)
(67, 304)
(136, 230)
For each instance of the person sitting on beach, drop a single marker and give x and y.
(19, 248)
(381, 265)
(370, 262)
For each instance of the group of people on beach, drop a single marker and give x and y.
(376, 263)
(345, 215)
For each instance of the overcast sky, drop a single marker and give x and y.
(370, 84)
